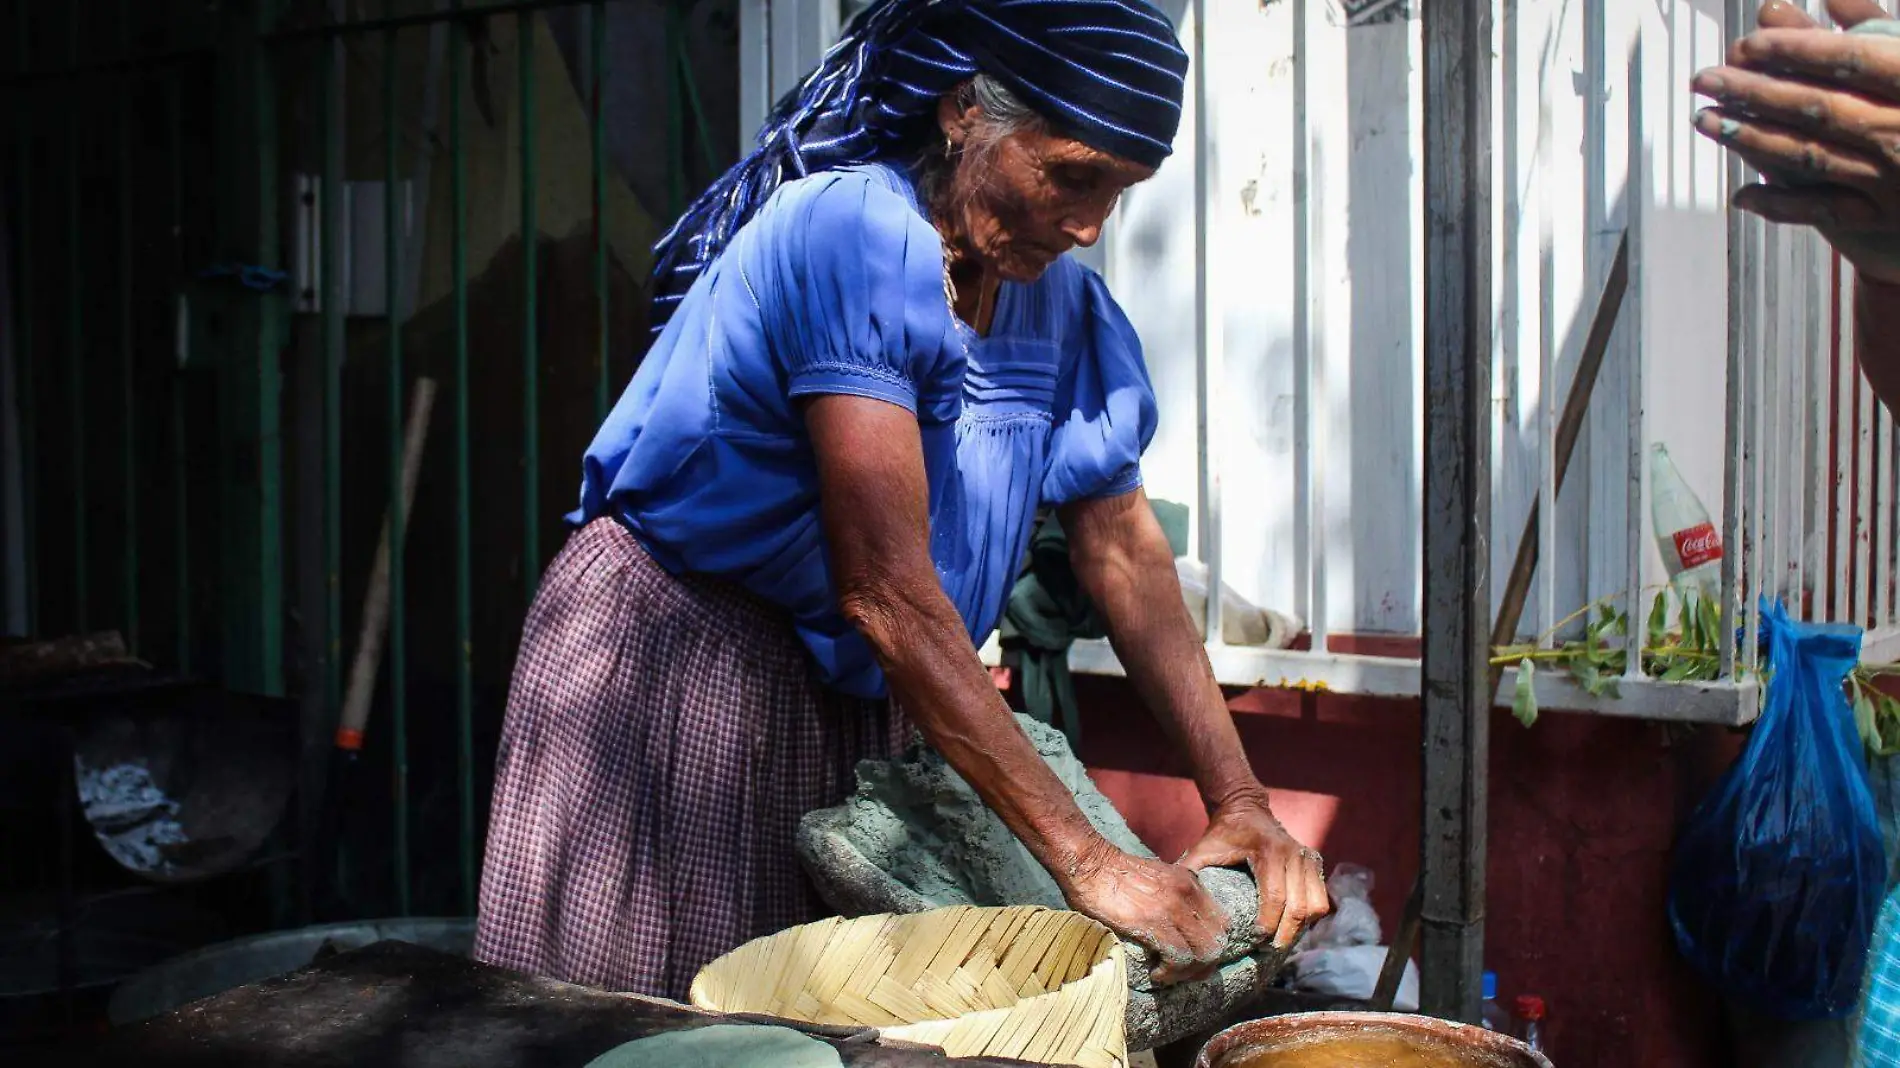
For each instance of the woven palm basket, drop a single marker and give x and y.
(1026, 982)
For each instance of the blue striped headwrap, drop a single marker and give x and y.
(1109, 73)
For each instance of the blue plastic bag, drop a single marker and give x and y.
(1779, 873)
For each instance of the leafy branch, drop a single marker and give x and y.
(1690, 650)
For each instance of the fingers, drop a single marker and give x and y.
(1845, 118)
(1789, 155)
(1296, 903)
(1306, 898)
(1777, 15)
(1868, 63)
(1826, 209)
(1271, 875)
(1316, 894)
(1210, 853)
(1196, 934)
(1848, 14)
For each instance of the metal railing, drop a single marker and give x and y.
(1805, 462)
(169, 356)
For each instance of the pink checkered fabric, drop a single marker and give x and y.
(664, 736)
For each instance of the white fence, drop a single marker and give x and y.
(1273, 269)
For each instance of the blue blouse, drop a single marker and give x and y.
(836, 286)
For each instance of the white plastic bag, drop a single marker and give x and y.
(1351, 972)
(1241, 622)
(1352, 921)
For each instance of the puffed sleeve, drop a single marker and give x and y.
(1105, 405)
(851, 280)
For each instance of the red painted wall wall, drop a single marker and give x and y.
(1583, 814)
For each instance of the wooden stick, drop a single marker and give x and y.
(1517, 587)
(375, 624)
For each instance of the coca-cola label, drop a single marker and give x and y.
(1698, 545)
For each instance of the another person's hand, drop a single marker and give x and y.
(1162, 906)
(1817, 113)
(1292, 884)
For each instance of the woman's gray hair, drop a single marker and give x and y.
(1004, 114)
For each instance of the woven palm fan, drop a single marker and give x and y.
(1026, 982)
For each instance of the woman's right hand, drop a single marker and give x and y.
(1159, 905)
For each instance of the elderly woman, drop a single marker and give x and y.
(875, 366)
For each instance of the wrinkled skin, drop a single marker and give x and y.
(1017, 202)
(1817, 112)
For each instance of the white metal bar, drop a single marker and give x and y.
(1207, 354)
(1820, 404)
(1734, 497)
(1887, 499)
(1550, 389)
(1751, 547)
(1841, 519)
(1309, 351)
(1879, 552)
(1863, 498)
(1773, 439)
(1636, 219)
(1795, 487)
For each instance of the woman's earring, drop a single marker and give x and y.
(949, 148)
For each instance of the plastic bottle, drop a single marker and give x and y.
(1685, 535)
(1492, 1014)
(1530, 1020)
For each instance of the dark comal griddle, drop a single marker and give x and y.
(396, 1005)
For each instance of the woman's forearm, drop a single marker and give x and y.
(940, 683)
(1877, 339)
(1122, 559)
(875, 512)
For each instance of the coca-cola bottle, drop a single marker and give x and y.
(1685, 535)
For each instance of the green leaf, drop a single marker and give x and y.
(1584, 670)
(1686, 616)
(1594, 682)
(1659, 619)
(1604, 658)
(1711, 615)
(1865, 721)
(1680, 671)
(1886, 722)
(1524, 701)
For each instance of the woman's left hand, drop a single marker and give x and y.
(1292, 883)
(1817, 113)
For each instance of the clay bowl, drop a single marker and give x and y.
(1363, 1040)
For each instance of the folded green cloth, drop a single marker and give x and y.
(722, 1046)
(1048, 611)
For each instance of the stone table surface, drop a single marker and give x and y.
(396, 1005)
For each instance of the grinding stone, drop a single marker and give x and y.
(915, 836)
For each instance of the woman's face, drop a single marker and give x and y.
(1019, 201)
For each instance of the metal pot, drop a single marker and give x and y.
(1454, 1043)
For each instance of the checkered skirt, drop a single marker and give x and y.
(664, 735)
